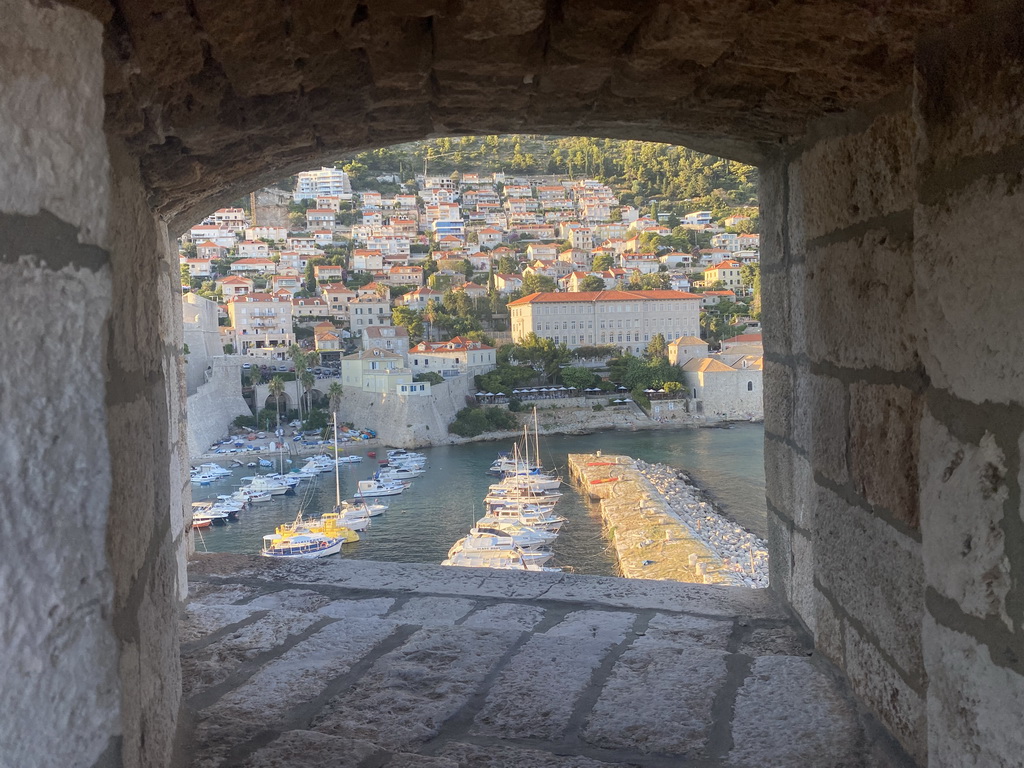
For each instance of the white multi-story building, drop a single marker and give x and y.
(626, 319)
(456, 357)
(261, 324)
(329, 182)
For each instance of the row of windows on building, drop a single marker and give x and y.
(570, 325)
(609, 338)
(613, 307)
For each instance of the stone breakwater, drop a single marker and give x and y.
(662, 528)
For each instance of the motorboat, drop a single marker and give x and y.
(527, 539)
(511, 526)
(209, 511)
(371, 507)
(503, 560)
(496, 544)
(529, 519)
(301, 545)
(373, 488)
(385, 474)
(263, 484)
(212, 468)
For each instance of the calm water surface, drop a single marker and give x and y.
(422, 524)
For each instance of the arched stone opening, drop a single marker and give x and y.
(286, 403)
(894, 432)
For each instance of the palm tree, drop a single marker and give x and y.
(299, 359)
(334, 393)
(308, 380)
(276, 387)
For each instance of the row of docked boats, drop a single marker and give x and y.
(519, 524)
(319, 537)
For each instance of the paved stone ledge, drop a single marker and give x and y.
(354, 663)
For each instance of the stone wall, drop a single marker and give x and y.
(724, 394)
(215, 405)
(60, 692)
(893, 403)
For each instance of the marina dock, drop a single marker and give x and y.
(650, 539)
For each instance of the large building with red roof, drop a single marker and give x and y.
(626, 319)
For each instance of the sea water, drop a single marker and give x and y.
(422, 523)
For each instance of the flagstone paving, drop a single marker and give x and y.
(340, 664)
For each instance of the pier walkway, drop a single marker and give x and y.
(382, 665)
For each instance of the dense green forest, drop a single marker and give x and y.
(640, 172)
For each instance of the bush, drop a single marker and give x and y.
(245, 421)
(598, 407)
(432, 376)
(317, 420)
(470, 422)
(515, 404)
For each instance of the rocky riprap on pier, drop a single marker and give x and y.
(353, 663)
(662, 528)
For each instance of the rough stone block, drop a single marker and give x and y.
(874, 573)
(778, 471)
(830, 631)
(974, 706)
(965, 326)
(780, 557)
(520, 704)
(51, 113)
(416, 687)
(790, 715)
(432, 611)
(852, 178)
(804, 595)
(963, 492)
(653, 684)
(776, 290)
(898, 705)
(301, 673)
(820, 423)
(884, 436)
(778, 399)
(859, 297)
(964, 91)
(773, 205)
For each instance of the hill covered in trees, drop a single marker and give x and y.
(641, 172)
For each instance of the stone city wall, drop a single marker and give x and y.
(894, 412)
(214, 406)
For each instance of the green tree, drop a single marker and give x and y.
(409, 319)
(334, 393)
(310, 278)
(276, 388)
(577, 376)
(657, 348)
(592, 283)
(507, 265)
(655, 281)
(603, 261)
(534, 283)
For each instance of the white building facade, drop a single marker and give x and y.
(626, 319)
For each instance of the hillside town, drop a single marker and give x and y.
(452, 278)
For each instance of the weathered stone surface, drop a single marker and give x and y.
(875, 574)
(51, 115)
(303, 672)
(884, 426)
(509, 617)
(899, 706)
(969, 96)
(522, 703)
(865, 288)
(788, 709)
(416, 687)
(852, 178)
(820, 424)
(641, 696)
(309, 749)
(432, 611)
(213, 664)
(974, 705)
(510, 756)
(203, 619)
(803, 594)
(965, 333)
(964, 490)
(778, 399)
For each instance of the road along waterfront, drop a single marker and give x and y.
(422, 523)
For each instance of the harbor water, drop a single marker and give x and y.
(422, 523)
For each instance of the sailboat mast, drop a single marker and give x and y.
(337, 474)
(536, 437)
